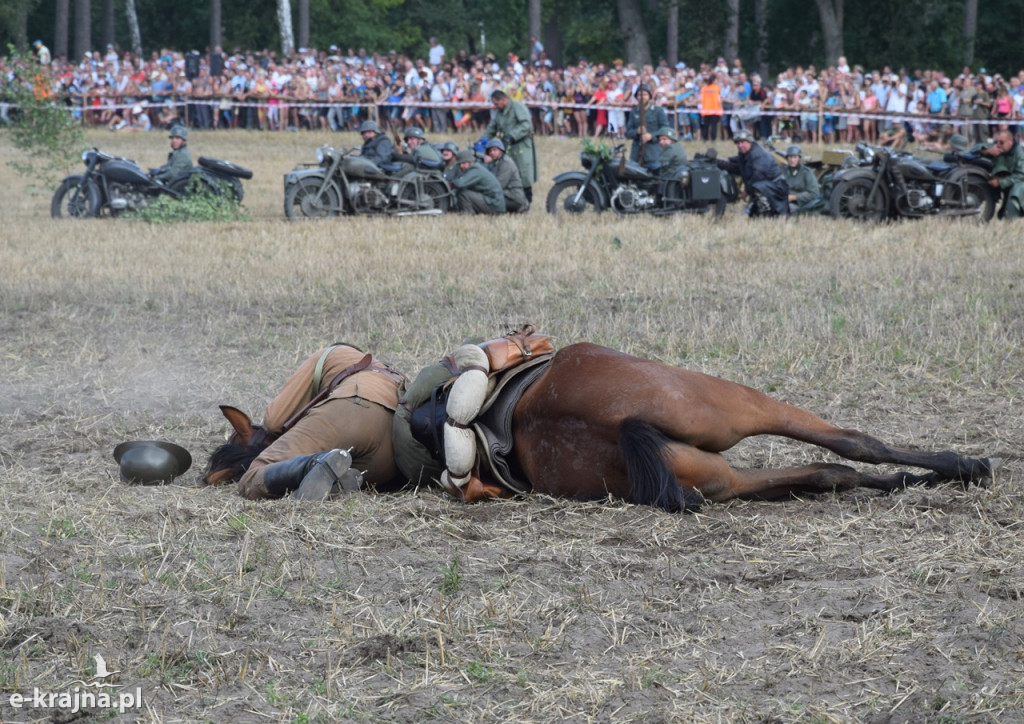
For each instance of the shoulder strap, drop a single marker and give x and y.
(318, 371)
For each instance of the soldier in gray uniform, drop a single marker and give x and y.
(376, 146)
(508, 176)
(511, 124)
(477, 189)
(419, 149)
(640, 128)
(179, 160)
(672, 158)
(803, 185)
(1008, 173)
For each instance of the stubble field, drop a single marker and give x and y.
(411, 607)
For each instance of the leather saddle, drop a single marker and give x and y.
(493, 426)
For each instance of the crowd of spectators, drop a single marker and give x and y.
(336, 90)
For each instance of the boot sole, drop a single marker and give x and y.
(328, 470)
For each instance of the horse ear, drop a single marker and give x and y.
(240, 422)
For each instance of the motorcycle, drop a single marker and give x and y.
(115, 185)
(611, 181)
(886, 183)
(341, 183)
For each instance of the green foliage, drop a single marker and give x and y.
(451, 579)
(600, 149)
(45, 131)
(201, 203)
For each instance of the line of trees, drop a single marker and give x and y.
(766, 34)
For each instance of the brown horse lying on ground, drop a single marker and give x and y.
(598, 422)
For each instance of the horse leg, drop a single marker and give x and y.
(711, 474)
(715, 414)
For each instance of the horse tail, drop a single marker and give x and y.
(229, 462)
(651, 482)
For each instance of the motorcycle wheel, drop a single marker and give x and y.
(560, 199)
(435, 196)
(850, 201)
(978, 194)
(76, 203)
(301, 200)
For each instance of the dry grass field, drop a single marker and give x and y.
(409, 607)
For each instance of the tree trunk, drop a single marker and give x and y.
(760, 63)
(831, 12)
(672, 34)
(62, 17)
(216, 20)
(133, 27)
(553, 42)
(21, 24)
(970, 29)
(284, 22)
(533, 24)
(303, 23)
(634, 33)
(107, 30)
(83, 29)
(732, 30)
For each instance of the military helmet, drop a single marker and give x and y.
(794, 150)
(369, 126)
(743, 135)
(668, 132)
(413, 132)
(180, 131)
(465, 156)
(495, 143)
(958, 143)
(450, 146)
(151, 462)
(643, 87)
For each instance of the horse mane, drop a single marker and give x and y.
(233, 456)
(651, 481)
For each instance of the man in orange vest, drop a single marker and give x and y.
(710, 108)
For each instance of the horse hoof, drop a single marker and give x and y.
(993, 465)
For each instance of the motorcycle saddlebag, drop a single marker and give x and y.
(705, 184)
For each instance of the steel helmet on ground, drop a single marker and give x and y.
(151, 462)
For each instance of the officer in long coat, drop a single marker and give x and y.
(511, 124)
(508, 176)
(641, 130)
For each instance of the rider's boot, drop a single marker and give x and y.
(312, 477)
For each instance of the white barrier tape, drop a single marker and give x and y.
(747, 113)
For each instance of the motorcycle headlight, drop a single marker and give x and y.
(86, 155)
(323, 153)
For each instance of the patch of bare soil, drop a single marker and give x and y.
(410, 607)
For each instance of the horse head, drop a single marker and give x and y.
(232, 459)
